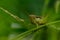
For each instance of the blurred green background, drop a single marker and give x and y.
(9, 27)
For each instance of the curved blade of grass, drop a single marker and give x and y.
(52, 32)
(37, 33)
(14, 16)
(27, 33)
(53, 22)
(45, 7)
(21, 36)
(57, 6)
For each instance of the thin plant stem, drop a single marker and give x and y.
(14, 16)
(20, 36)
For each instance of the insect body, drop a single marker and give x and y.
(36, 19)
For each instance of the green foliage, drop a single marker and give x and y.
(15, 23)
